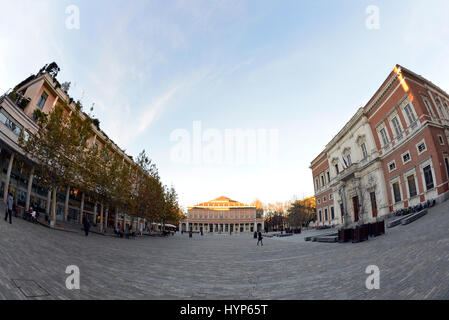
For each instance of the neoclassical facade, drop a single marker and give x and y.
(392, 154)
(222, 215)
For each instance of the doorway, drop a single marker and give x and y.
(355, 203)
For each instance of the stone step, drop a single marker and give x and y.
(406, 219)
(329, 239)
(394, 222)
(413, 217)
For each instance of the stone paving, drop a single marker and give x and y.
(413, 262)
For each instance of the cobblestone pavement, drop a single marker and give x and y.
(413, 262)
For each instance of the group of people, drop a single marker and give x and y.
(30, 215)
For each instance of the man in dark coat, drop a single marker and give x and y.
(9, 207)
(259, 234)
(86, 225)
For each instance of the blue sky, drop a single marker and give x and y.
(150, 67)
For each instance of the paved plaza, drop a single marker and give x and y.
(413, 262)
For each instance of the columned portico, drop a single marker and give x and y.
(222, 215)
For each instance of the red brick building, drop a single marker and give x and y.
(392, 154)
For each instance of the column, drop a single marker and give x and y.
(66, 204)
(47, 209)
(53, 208)
(8, 176)
(107, 217)
(82, 208)
(95, 214)
(101, 217)
(30, 184)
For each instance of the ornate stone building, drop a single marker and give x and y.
(222, 215)
(392, 154)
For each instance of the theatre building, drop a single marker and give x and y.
(222, 215)
(392, 154)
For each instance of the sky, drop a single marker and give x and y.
(175, 77)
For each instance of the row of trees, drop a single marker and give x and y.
(65, 153)
(290, 214)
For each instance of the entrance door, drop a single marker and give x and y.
(211, 228)
(447, 166)
(355, 203)
(373, 204)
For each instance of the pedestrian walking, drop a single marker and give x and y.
(259, 234)
(86, 225)
(9, 206)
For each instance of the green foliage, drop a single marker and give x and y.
(65, 154)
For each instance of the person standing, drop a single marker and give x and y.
(9, 206)
(259, 234)
(86, 225)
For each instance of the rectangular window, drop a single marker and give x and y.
(332, 213)
(421, 147)
(411, 186)
(410, 115)
(322, 180)
(42, 100)
(428, 177)
(319, 212)
(325, 214)
(440, 107)
(406, 157)
(440, 138)
(336, 169)
(392, 166)
(328, 177)
(317, 184)
(384, 136)
(324, 199)
(349, 160)
(397, 127)
(8, 121)
(396, 192)
(364, 152)
(429, 109)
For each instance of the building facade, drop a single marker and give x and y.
(392, 154)
(222, 215)
(17, 106)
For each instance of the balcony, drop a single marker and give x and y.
(348, 173)
(20, 100)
